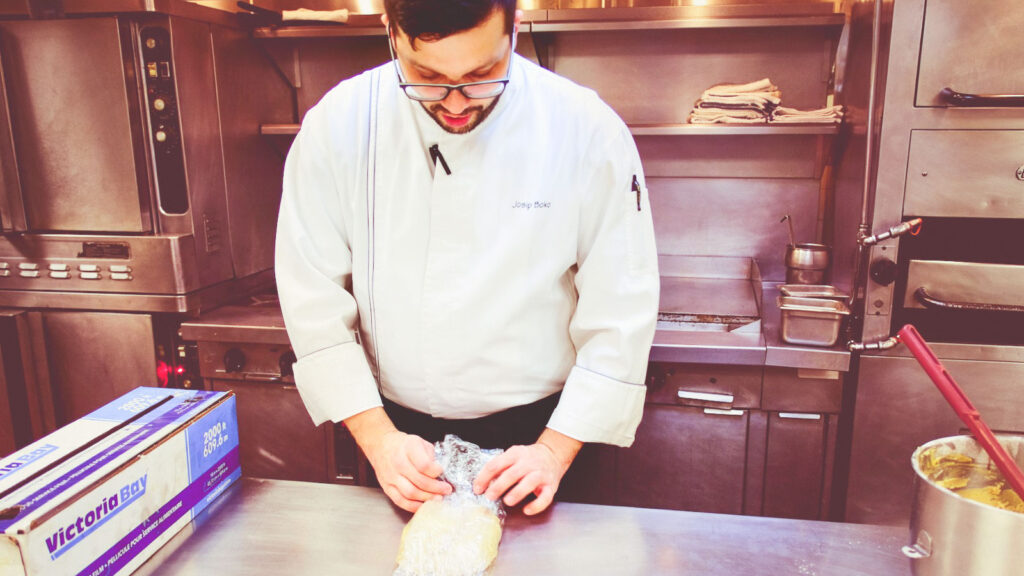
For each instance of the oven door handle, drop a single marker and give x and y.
(929, 301)
(964, 99)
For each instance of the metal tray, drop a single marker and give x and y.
(811, 321)
(812, 291)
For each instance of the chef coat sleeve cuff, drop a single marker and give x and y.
(336, 383)
(596, 408)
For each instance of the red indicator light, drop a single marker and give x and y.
(180, 370)
(163, 373)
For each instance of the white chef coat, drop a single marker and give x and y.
(528, 268)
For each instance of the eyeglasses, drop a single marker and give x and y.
(438, 92)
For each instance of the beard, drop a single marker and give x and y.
(477, 114)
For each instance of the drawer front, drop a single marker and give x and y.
(966, 46)
(966, 174)
(704, 385)
(686, 459)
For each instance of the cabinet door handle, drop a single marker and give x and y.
(717, 412)
(954, 98)
(708, 397)
(799, 416)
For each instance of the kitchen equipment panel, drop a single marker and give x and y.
(898, 409)
(966, 174)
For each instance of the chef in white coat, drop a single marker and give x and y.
(465, 245)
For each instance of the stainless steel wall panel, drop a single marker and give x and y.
(250, 93)
(965, 174)
(658, 77)
(70, 114)
(964, 46)
(95, 357)
(733, 217)
(898, 408)
(192, 45)
(761, 156)
(325, 63)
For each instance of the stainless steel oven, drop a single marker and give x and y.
(131, 161)
(951, 151)
(135, 192)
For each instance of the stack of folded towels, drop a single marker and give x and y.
(754, 103)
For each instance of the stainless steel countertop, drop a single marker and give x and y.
(279, 527)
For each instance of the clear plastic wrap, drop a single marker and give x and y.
(459, 534)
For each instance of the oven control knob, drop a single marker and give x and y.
(159, 104)
(234, 360)
(285, 363)
(161, 136)
(883, 271)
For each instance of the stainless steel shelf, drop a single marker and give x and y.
(732, 129)
(592, 19)
(835, 20)
(663, 129)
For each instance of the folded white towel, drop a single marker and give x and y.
(305, 14)
(827, 115)
(718, 116)
(763, 85)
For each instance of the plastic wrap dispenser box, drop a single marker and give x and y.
(102, 494)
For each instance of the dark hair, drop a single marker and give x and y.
(435, 19)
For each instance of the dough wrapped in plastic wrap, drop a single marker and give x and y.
(459, 534)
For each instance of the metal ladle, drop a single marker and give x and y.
(792, 237)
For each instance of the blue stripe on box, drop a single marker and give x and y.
(206, 487)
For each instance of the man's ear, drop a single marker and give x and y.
(384, 19)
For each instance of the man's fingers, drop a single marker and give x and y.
(421, 454)
(428, 484)
(528, 484)
(492, 469)
(502, 483)
(410, 491)
(401, 501)
(544, 498)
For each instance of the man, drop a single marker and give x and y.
(465, 245)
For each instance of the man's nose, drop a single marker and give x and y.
(455, 102)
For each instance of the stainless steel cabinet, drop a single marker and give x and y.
(686, 458)
(734, 439)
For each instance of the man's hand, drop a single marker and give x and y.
(522, 470)
(404, 464)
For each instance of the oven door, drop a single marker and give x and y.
(72, 118)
